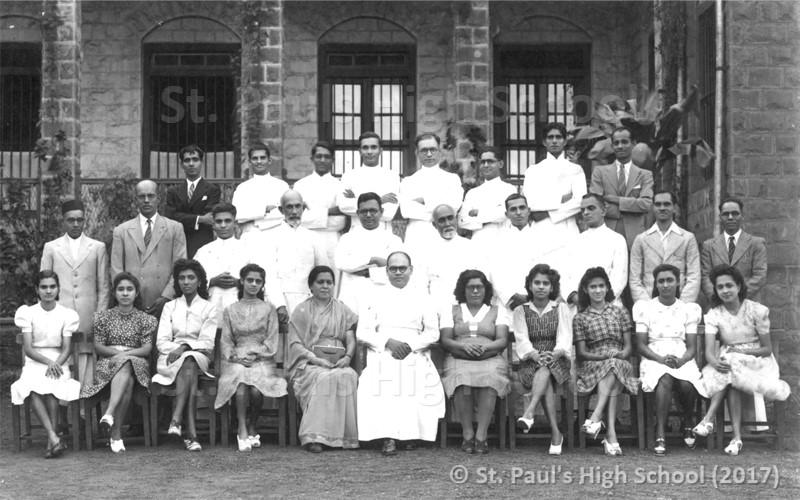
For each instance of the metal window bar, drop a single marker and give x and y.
(21, 98)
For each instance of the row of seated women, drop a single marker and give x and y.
(321, 344)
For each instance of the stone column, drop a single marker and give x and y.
(262, 79)
(61, 77)
(472, 79)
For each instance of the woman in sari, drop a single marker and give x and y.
(325, 386)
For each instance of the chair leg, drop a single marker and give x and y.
(292, 407)
(153, 417)
(75, 409)
(582, 401)
(28, 425)
(641, 422)
(226, 421)
(283, 409)
(779, 408)
(502, 407)
(88, 408)
(145, 405)
(443, 431)
(511, 404)
(570, 418)
(16, 424)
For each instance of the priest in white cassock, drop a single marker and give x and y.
(446, 258)
(598, 246)
(426, 189)
(360, 254)
(484, 209)
(554, 188)
(319, 190)
(223, 258)
(370, 177)
(288, 254)
(400, 395)
(257, 200)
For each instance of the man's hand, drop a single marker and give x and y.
(283, 315)
(398, 349)
(573, 299)
(176, 354)
(224, 280)
(364, 273)
(348, 193)
(157, 304)
(539, 216)
(611, 198)
(378, 261)
(516, 300)
(269, 208)
(207, 219)
(473, 212)
(566, 197)
(389, 198)
(420, 200)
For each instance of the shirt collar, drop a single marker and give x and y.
(143, 219)
(626, 166)
(559, 157)
(195, 182)
(673, 228)
(736, 237)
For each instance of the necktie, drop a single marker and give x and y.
(191, 190)
(148, 234)
(731, 249)
(622, 185)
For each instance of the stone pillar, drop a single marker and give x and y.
(472, 78)
(61, 78)
(262, 79)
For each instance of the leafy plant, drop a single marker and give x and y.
(20, 246)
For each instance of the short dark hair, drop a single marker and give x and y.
(670, 268)
(322, 144)
(671, 194)
(552, 275)
(369, 195)
(555, 126)
(424, 137)
(243, 272)
(191, 148)
(223, 206)
(370, 135)
(312, 276)
(119, 278)
(735, 274)
(731, 199)
(258, 146)
(460, 291)
(598, 197)
(194, 266)
(497, 151)
(589, 275)
(46, 274)
(400, 252)
(621, 128)
(515, 196)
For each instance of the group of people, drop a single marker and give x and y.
(186, 283)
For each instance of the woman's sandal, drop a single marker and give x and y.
(482, 447)
(704, 428)
(661, 447)
(734, 447)
(468, 445)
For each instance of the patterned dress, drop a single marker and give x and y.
(491, 372)
(603, 333)
(122, 331)
(543, 333)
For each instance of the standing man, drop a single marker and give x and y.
(191, 204)
(626, 188)
(400, 395)
(81, 264)
(734, 247)
(360, 253)
(147, 246)
(319, 190)
(484, 211)
(370, 177)
(664, 243)
(223, 258)
(257, 200)
(426, 189)
(554, 187)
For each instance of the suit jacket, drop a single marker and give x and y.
(84, 281)
(628, 218)
(185, 211)
(750, 257)
(153, 264)
(648, 252)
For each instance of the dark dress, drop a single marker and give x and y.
(542, 332)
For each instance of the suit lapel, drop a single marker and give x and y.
(720, 247)
(64, 251)
(633, 178)
(135, 233)
(159, 228)
(199, 191)
(741, 247)
(653, 241)
(673, 243)
(183, 192)
(611, 175)
(83, 251)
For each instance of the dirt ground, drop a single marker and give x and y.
(273, 472)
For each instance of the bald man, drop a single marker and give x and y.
(147, 246)
(288, 253)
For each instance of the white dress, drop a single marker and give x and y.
(48, 329)
(399, 399)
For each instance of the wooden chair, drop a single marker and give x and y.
(74, 406)
(636, 430)
(564, 395)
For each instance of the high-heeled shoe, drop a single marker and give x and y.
(524, 424)
(592, 428)
(609, 448)
(661, 447)
(244, 444)
(556, 449)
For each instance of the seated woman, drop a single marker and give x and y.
(185, 343)
(666, 333)
(474, 335)
(744, 363)
(325, 387)
(47, 329)
(122, 340)
(602, 337)
(543, 331)
(248, 346)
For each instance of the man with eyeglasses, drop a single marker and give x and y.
(147, 246)
(370, 177)
(484, 211)
(81, 264)
(191, 203)
(319, 190)
(257, 199)
(400, 395)
(360, 253)
(426, 189)
(554, 188)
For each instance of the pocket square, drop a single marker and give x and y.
(204, 198)
(638, 186)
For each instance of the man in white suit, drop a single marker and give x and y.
(81, 264)
(146, 247)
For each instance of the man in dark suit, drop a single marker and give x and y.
(191, 204)
(734, 247)
(627, 189)
(146, 247)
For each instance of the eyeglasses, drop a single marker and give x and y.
(428, 151)
(397, 269)
(75, 220)
(476, 288)
(488, 162)
(368, 211)
(192, 159)
(734, 214)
